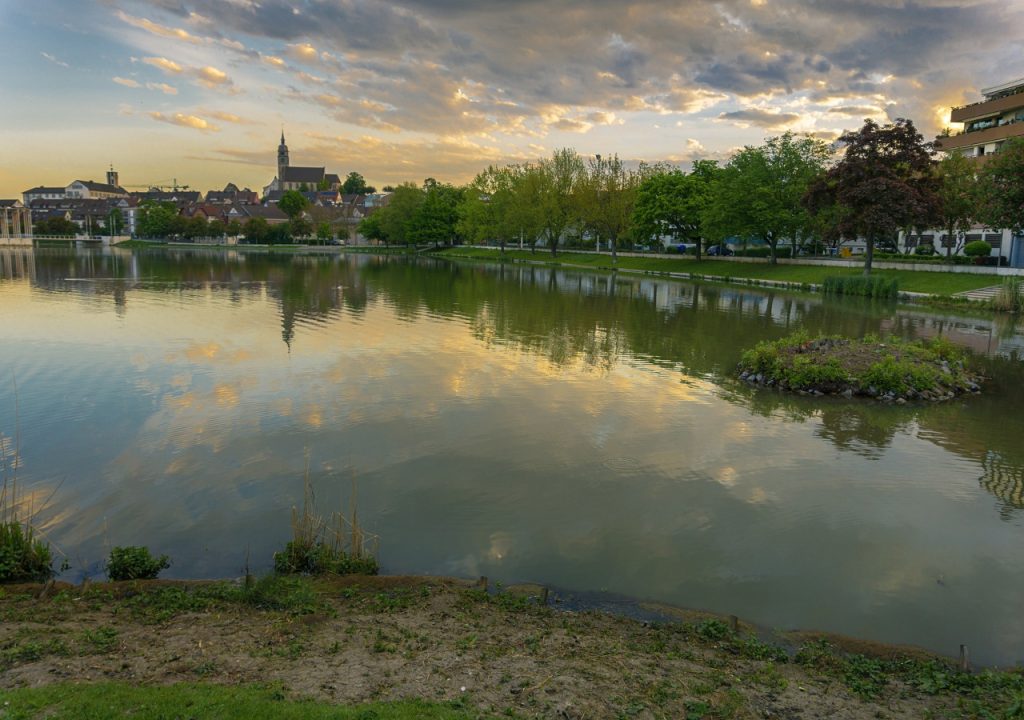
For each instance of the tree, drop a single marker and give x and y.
(300, 227)
(673, 203)
(280, 234)
(156, 219)
(559, 178)
(257, 230)
(216, 228)
(115, 221)
(324, 233)
(437, 216)
(233, 228)
(1001, 188)
(56, 226)
(759, 192)
(956, 196)
(607, 196)
(486, 211)
(370, 227)
(196, 227)
(355, 184)
(397, 216)
(292, 203)
(884, 182)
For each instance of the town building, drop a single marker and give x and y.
(231, 194)
(294, 177)
(988, 123)
(42, 193)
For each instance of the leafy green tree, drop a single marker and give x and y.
(436, 218)
(280, 234)
(884, 182)
(759, 192)
(607, 196)
(486, 211)
(957, 196)
(355, 184)
(397, 216)
(156, 219)
(370, 227)
(196, 227)
(560, 179)
(324, 233)
(56, 226)
(292, 203)
(300, 227)
(233, 228)
(673, 203)
(216, 228)
(257, 230)
(1001, 188)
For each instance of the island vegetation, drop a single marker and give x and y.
(891, 370)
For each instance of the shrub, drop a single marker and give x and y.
(925, 249)
(898, 376)
(321, 558)
(23, 558)
(873, 286)
(978, 248)
(135, 563)
(763, 251)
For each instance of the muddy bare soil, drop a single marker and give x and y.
(388, 638)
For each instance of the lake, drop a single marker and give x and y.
(525, 423)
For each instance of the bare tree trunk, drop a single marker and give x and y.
(614, 242)
(869, 255)
(697, 248)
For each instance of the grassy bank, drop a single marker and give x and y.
(937, 283)
(439, 646)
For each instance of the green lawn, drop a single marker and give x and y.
(937, 283)
(105, 701)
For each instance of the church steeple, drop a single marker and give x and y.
(282, 158)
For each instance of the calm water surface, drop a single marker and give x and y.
(521, 423)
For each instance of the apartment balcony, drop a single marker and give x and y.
(979, 137)
(987, 107)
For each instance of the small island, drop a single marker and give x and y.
(892, 370)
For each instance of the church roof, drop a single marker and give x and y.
(303, 174)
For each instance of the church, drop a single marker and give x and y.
(293, 177)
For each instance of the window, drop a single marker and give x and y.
(994, 239)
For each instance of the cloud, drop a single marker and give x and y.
(162, 87)
(206, 76)
(162, 63)
(188, 121)
(54, 60)
(856, 110)
(768, 119)
(226, 117)
(158, 29)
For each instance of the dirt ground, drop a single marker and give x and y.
(436, 639)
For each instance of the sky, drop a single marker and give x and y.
(198, 91)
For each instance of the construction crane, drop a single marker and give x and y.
(161, 187)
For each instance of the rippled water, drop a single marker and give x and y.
(517, 422)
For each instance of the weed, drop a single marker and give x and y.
(99, 641)
(1009, 298)
(872, 286)
(134, 562)
(337, 545)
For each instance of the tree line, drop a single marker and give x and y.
(872, 184)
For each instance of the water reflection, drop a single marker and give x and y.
(523, 422)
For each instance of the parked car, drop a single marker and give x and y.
(720, 251)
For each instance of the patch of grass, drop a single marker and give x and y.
(1009, 298)
(28, 651)
(873, 286)
(134, 562)
(107, 700)
(100, 641)
(23, 557)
